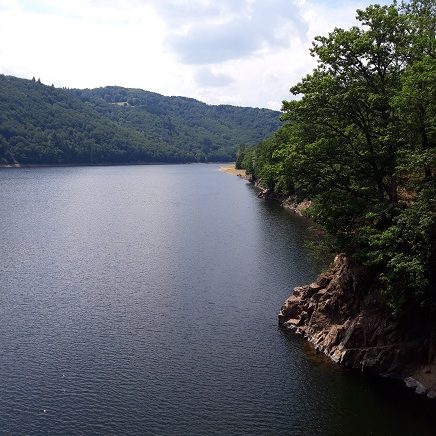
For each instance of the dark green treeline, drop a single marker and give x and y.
(42, 124)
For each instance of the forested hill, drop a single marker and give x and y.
(42, 124)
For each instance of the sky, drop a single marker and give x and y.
(239, 52)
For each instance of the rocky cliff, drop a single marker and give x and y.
(343, 318)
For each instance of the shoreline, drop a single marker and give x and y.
(359, 334)
(289, 203)
(71, 165)
(230, 169)
(330, 315)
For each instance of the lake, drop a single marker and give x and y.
(144, 300)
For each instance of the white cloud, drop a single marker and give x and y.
(207, 77)
(243, 52)
(233, 30)
(87, 46)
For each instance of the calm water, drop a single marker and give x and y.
(143, 300)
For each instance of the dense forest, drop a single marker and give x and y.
(42, 124)
(358, 140)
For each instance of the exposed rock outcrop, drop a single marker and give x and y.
(290, 203)
(352, 326)
(297, 207)
(263, 192)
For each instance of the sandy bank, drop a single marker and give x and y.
(232, 170)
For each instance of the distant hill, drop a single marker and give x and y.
(42, 124)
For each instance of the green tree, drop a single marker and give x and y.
(359, 141)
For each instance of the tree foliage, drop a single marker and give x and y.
(41, 124)
(359, 141)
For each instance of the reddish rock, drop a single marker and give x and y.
(352, 326)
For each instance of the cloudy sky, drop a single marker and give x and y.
(242, 52)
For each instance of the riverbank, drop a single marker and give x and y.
(289, 203)
(343, 315)
(230, 169)
(18, 165)
(226, 168)
(116, 164)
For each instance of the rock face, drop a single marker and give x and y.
(263, 192)
(297, 207)
(352, 326)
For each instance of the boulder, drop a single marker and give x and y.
(344, 319)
